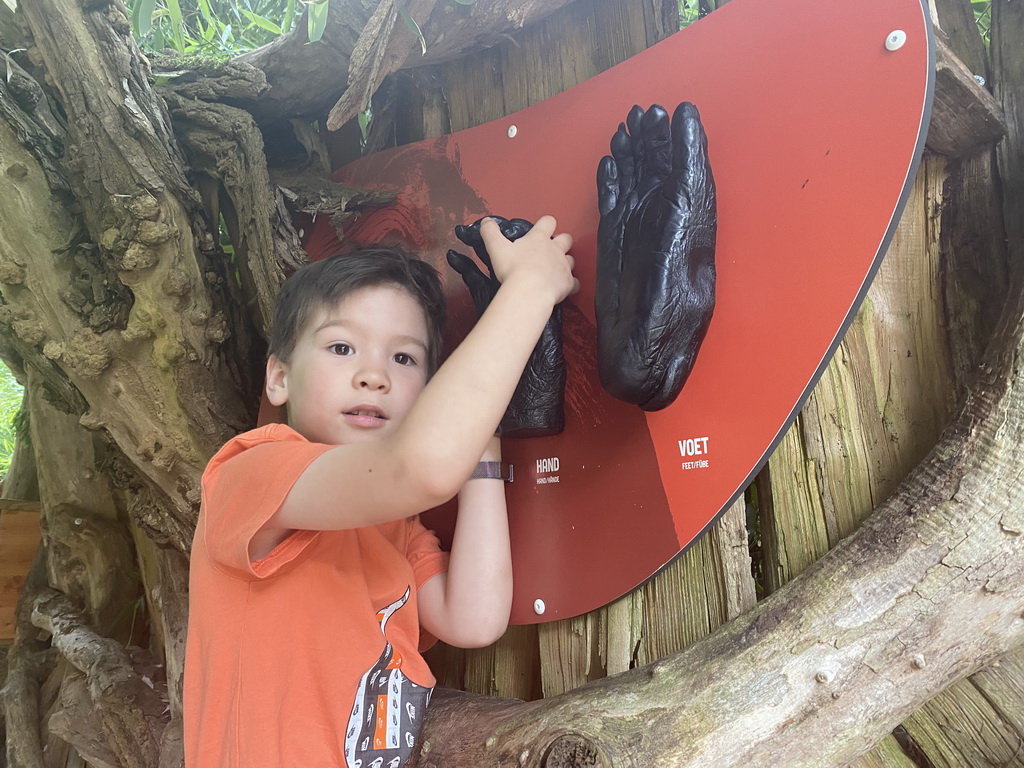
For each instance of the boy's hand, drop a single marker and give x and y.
(482, 287)
(655, 289)
(536, 408)
(539, 256)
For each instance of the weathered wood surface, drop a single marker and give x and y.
(878, 408)
(168, 386)
(19, 540)
(965, 116)
(964, 725)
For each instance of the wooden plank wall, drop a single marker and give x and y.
(19, 539)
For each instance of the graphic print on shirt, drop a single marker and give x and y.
(388, 710)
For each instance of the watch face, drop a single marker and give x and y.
(815, 116)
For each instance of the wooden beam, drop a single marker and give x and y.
(965, 116)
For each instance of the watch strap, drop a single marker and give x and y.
(494, 470)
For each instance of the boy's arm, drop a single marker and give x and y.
(429, 458)
(469, 605)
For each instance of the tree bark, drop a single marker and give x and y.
(128, 706)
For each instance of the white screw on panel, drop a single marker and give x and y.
(512, 131)
(538, 606)
(895, 40)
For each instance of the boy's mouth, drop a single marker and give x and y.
(365, 416)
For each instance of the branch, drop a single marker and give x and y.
(412, 33)
(306, 78)
(363, 42)
(130, 708)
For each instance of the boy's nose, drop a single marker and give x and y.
(373, 379)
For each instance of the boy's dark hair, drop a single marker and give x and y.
(324, 283)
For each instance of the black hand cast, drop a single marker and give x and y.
(655, 290)
(536, 409)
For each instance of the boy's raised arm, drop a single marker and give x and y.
(429, 457)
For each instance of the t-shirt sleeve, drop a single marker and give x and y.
(244, 485)
(424, 553)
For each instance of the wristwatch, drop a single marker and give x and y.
(494, 470)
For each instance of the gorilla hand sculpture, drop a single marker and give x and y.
(655, 288)
(536, 408)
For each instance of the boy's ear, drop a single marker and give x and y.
(276, 383)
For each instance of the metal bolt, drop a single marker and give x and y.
(895, 40)
(980, 79)
(78, 521)
(539, 607)
(512, 131)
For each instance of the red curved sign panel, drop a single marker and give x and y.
(815, 128)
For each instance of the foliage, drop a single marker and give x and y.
(689, 12)
(10, 410)
(221, 28)
(983, 16)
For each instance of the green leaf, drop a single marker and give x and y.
(316, 20)
(178, 25)
(289, 16)
(204, 9)
(261, 22)
(410, 22)
(364, 118)
(143, 17)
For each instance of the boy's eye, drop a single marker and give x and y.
(403, 359)
(340, 349)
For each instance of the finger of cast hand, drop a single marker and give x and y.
(657, 139)
(514, 229)
(689, 143)
(459, 262)
(634, 121)
(607, 185)
(622, 155)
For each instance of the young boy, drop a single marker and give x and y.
(311, 575)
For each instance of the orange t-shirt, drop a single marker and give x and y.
(309, 656)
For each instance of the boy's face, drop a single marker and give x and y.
(356, 369)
